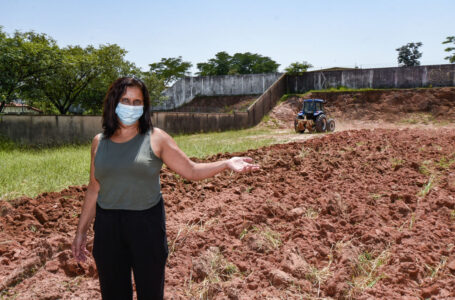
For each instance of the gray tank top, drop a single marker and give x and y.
(128, 174)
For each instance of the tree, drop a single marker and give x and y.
(298, 68)
(155, 85)
(24, 56)
(112, 63)
(409, 54)
(449, 40)
(82, 77)
(219, 65)
(239, 63)
(170, 69)
(71, 79)
(252, 63)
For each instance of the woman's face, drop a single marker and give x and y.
(132, 96)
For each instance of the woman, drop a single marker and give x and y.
(124, 195)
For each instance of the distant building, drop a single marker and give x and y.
(333, 69)
(19, 108)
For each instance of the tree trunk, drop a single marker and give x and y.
(62, 110)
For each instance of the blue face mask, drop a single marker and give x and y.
(129, 114)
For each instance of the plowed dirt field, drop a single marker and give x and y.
(355, 214)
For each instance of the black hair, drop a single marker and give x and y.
(112, 98)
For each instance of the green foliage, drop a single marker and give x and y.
(155, 86)
(24, 56)
(297, 68)
(409, 54)
(220, 65)
(251, 63)
(450, 40)
(239, 63)
(111, 64)
(170, 69)
(66, 80)
(81, 77)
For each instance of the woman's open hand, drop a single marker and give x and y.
(242, 164)
(79, 247)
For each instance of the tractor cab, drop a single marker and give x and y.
(312, 108)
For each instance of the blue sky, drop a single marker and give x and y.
(324, 33)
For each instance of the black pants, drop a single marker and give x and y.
(125, 240)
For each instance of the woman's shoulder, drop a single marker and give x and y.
(158, 133)
(97, 139)
(158, 140)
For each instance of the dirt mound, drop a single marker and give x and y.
(361, 214)
(409, 106)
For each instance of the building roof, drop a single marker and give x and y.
(23, 106)
(333, 69)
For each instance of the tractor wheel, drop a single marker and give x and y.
(331, 125)
(321, 123)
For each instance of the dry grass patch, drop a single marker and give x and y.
(184, 231)
(319, 276)
(366, 271)
(434, 271)
(311, 213)
(209, 273)
(261, 238)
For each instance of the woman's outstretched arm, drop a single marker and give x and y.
(166, 148)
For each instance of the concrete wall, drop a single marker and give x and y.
(185, 89)
(267, 101)
(49, 130)
(180, 122)
(57, 130)
(399, 77)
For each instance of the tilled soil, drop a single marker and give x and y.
(361, 214)
(406, 106)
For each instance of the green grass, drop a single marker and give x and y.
(205, 144)
(427, 188)
(31, 171)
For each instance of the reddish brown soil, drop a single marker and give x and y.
(363, 214)
(410, 106)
